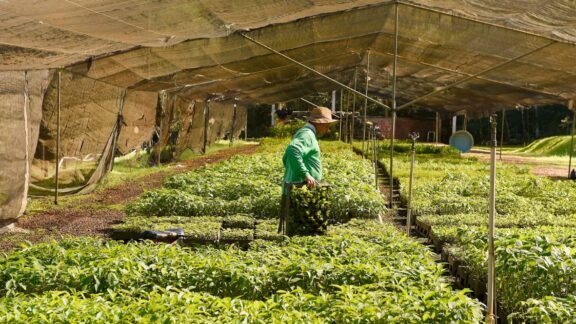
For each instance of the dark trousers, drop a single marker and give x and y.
(284, 210)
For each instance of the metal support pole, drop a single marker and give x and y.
(340, 84)
(502, 132)
(365, 101)
(333, 101)
(437, 134)
(369, 140)
(25, 110)
(346, 128)
(454, 123)
(571, 107)
(341, 115)
(353, 108)
(375, 155)
(162, 96)
(272, 113)
(206, 121)
(392, 136)
(246, 127)
(58, 140)
(119, 123)
(414, 137)
(394, 108)
(233, 126)
(491, 300)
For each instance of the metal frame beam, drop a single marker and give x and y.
(340, 84)
(417, 6)
(472, 76)
(468, 74)
(309, 102)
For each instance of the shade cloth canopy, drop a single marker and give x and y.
(194, 48)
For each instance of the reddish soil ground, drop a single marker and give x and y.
(539, 169)
(93, 215)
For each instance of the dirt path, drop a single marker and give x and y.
(538, 166)
(132, 189)
(94, 215)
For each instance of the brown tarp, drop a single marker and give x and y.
(21, 96)
(183, 123)
(139, 119)
(88, 116)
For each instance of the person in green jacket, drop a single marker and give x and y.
(302, 162)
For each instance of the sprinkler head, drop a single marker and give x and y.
(414, 136)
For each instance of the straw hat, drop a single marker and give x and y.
(321, 115)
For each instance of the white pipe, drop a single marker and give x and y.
(454, 121)
(272, 118)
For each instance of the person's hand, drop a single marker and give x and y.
(310, 182)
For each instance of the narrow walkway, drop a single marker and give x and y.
(398, 217)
